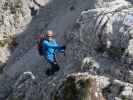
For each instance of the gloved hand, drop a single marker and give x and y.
(63, 47)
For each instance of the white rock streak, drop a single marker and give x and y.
(29, 73)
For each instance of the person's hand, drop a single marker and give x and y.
(63, 47)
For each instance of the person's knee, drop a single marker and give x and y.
(55, 66)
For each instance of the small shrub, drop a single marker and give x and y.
(70, 89)
(2, 43)
(19, 97)
(116, 52)
(10, 40)
(124, 98)
(88, 63)
(14, 8)
(5, 6)
(2, 65)
(18, 4)
(74, 90)
(84, 89)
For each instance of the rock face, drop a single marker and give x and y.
(103, 29)
(103, 33)
(13, 15)
(98, 35)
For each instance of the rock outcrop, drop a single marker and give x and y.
(14, 15)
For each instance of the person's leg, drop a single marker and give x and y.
(54, 67)
(48, 72)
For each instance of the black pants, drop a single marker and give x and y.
(54, 68)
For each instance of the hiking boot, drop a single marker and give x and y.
(49, 72)
(55, 69)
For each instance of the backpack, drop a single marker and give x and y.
(39, 40)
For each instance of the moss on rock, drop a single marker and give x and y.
(116, 52)
(75, 89)
(124, 98)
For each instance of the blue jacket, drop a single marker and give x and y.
(50, 48)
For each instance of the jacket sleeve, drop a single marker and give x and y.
(49, 45)
(61, 49)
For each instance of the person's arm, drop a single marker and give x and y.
(50, 45)
(62, 49)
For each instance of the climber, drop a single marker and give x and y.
(50, 47)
